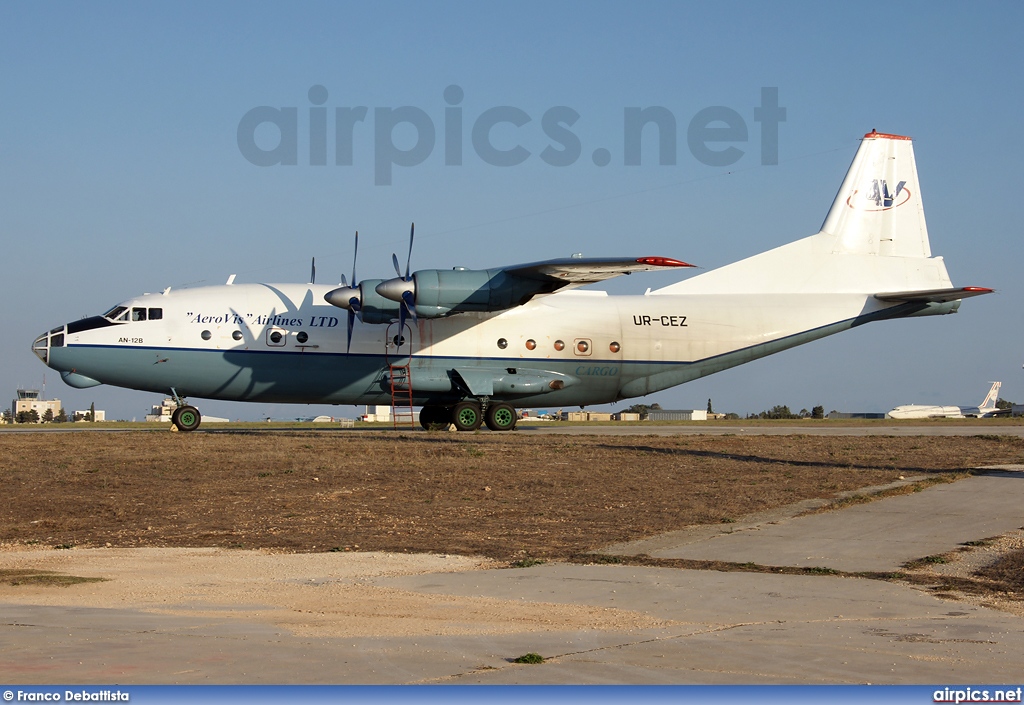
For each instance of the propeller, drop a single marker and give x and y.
(312, 272)
(403, 288)
(348, 297)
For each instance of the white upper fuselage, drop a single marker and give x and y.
(607, 346)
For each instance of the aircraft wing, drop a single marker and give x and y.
(578, 271)
(940, 296)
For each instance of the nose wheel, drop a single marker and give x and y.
(186, 418)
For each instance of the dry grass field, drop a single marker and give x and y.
(505, 496)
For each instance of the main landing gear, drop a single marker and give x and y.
(469, 416)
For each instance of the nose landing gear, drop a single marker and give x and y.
(186, 418)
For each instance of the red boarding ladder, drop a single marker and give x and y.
(400, 382)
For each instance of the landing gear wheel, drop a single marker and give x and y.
(500, 417)
(435, 418)
(466, 416)
(186, 418)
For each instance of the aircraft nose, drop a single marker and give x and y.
(41, 347)
(53, 339)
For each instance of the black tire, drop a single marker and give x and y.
(501, 417)
(435, 418)
(466, 416)
(186, 418)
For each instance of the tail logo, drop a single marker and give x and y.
(878, 194)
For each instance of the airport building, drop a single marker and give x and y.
(29, 400)
(677, 415)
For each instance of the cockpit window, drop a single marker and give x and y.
(138, 314)
(113, 313)
(155, 314)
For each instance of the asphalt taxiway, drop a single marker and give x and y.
(686, 626)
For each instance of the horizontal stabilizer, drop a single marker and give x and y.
(939, 296)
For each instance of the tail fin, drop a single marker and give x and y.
(989, 403)
(874, 239)
(878, 209)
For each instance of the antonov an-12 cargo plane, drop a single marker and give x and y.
(471, 345)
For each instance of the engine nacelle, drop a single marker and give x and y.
(441, 292)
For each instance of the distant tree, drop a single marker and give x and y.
(30, 416)
(710, 410)
(642, 409)
(804, 413)
(7, 416)
(92, 411)
(48, 416)
(1003, 403)
(62, 416)
(818, 412)
(778, 412)
(731, 415)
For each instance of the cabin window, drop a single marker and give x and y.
(614, 347)
(531, 344)
(118, 313)
(559, 345)
(237, 335)
(276, 337)
(155, 314)
(57, 341)
(138, 314)
(502, 343)
(583, 346)
(206, 335)
(302, 337)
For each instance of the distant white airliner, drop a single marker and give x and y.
(924, 411)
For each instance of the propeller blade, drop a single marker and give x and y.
(343, 282)
(312, 272)
(351, 324)
(409, 304)
(355, 254)
(394, 261)
(408, 260)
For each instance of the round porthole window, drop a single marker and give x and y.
(275, 337)
(615, 347)
(502, 343)
(302, 336)
(237, 335)
(531, 344)
(583, 346)
(559, 345)
(206, 335)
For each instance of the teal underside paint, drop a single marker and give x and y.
(287, 376)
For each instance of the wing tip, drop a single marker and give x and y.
(663, 262)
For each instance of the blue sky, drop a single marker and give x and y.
(120, 170)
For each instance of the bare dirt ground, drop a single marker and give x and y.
(168, 514)
(506, 497)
